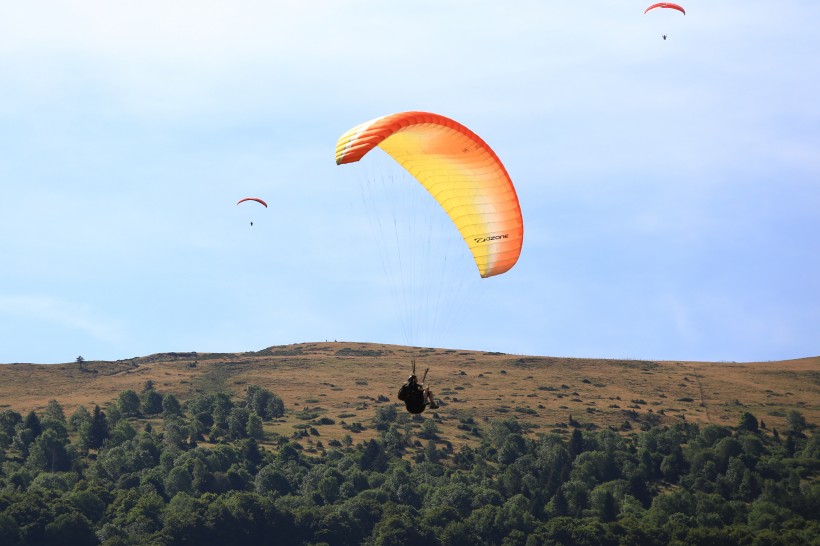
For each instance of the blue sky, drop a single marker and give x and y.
(670, 189)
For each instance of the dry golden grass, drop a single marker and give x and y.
(346, 379)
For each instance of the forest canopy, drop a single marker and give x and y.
(150, 469)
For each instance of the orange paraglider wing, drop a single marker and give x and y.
(459, 170)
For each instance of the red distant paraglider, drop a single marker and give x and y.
(668, 5)
(252, 199)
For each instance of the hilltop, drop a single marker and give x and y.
(345, 382)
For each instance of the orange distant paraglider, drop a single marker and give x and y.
(252, 199)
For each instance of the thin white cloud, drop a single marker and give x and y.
(66, 314)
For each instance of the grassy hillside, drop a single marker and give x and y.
(345, 382)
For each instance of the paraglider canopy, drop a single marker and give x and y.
(252, 199)
(667, 5)
(460, 171)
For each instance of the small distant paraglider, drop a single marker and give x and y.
(666, 5)
(252, 199)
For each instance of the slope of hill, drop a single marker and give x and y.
(345, 382)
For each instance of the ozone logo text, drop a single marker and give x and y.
(491, 238)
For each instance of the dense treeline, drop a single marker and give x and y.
(150, 470)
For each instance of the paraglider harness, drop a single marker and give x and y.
(412, 393)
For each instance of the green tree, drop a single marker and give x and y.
(184, 520)
(23, 439)
(176, 433)
(9, 531)
(151, 402)
(576, 443)
(328, 489)
(385, 416)
(31, 511)
(673, 466)
(254, 427)
(122, 433)
(96, 433)
(748, 422)
(263, 402)
(577, 495)
(459, 533)
(734, 473)
(79, 417)
(179, 480)
(9, 420)
(605, 505)
(272, 481)
(141, 514)
(796, 422)
(113, 414)
(711, 434)
(238, 422)
(666, 505)
(768, 515)
(515, 514)
(373, 457)
(790, 446)
(275, 407)
(429, 429)
(749, 487)
(811, 451)
(55, 412)
(48, 452)
(32, 422)
(200, 407)
(222, 406)
(431, 453)
(128, 402)
(202, 478)
(401, 529)
(71, 529)
(56, 426)
(171, 406)
(89, 502)
(558, 505)
(725, 449)
(513, 446)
